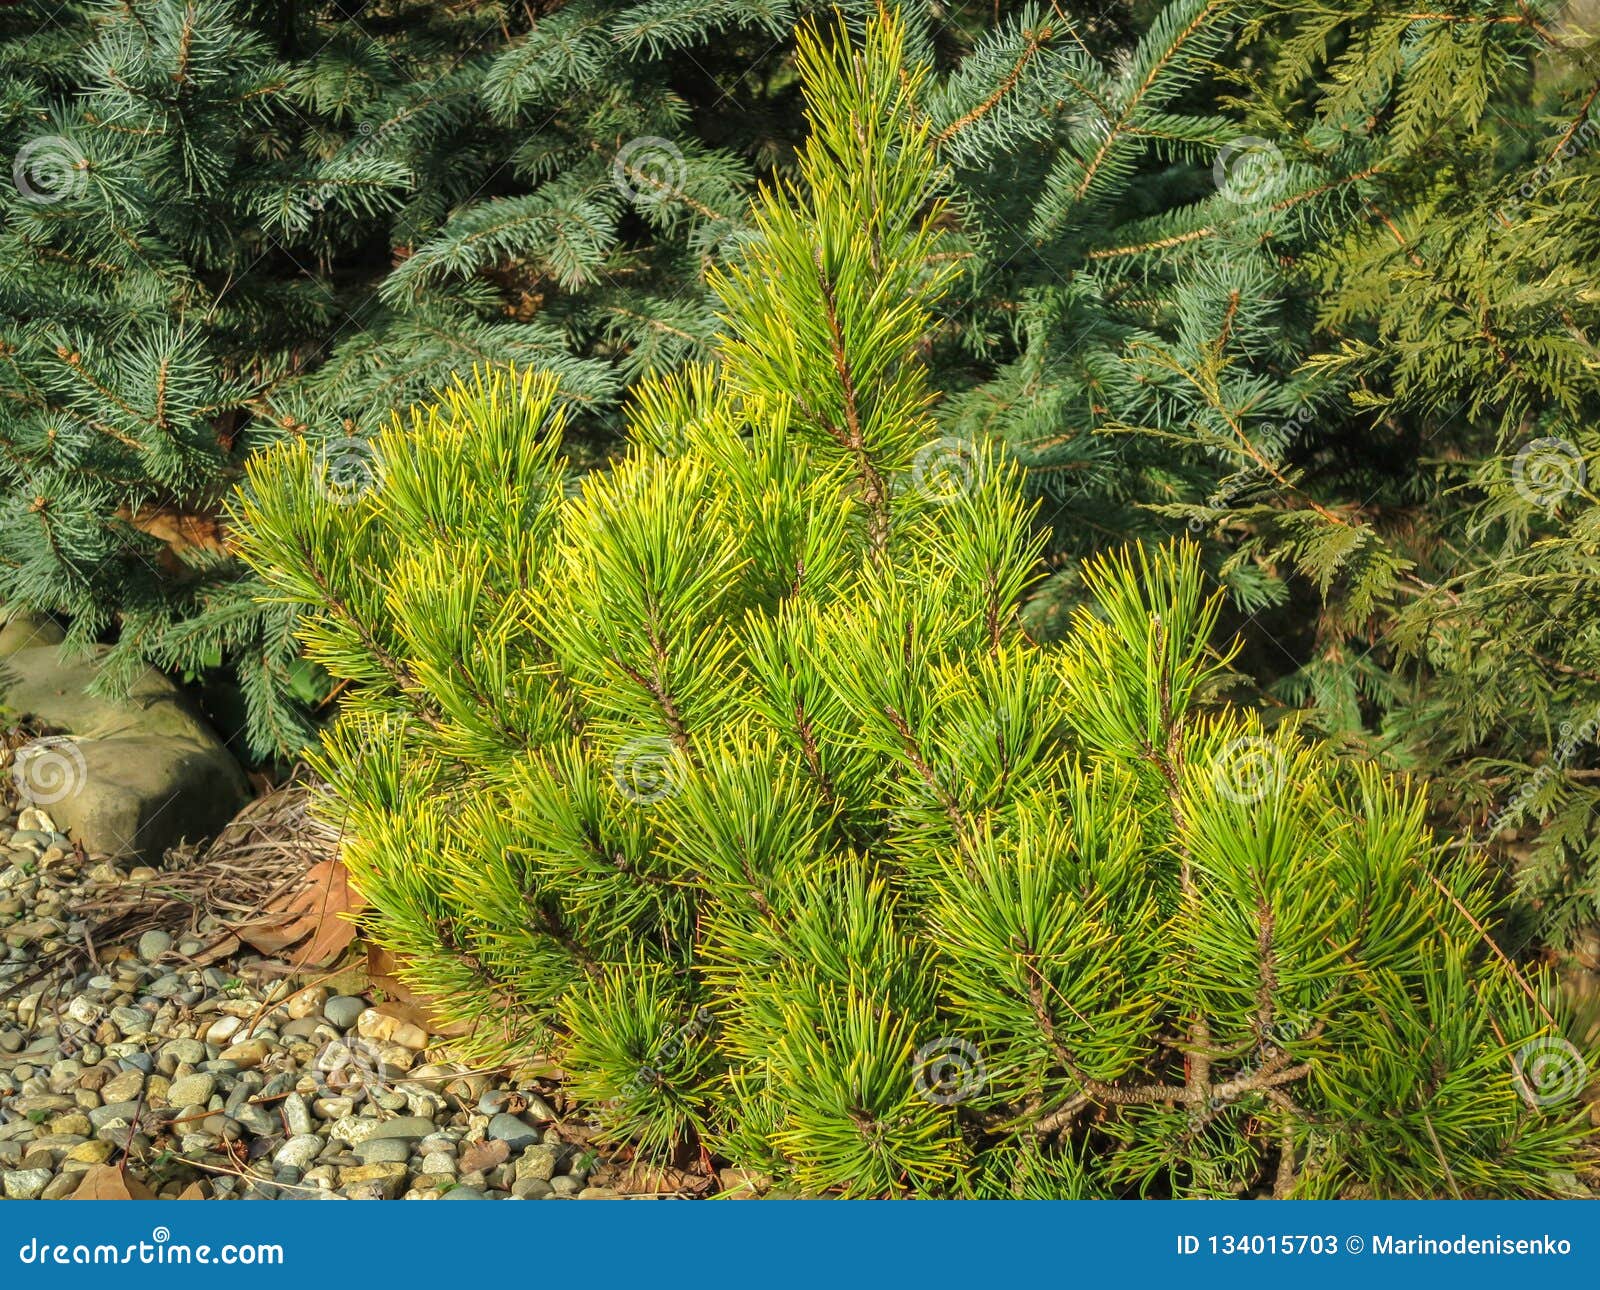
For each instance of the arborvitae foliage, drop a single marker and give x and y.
(732, 780)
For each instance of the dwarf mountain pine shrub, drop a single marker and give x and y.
(731, 779)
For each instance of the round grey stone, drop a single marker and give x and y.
(165, 987)
(153, 944)
(191, 1051)
(297, 1115)
(101, 1116)
(405, 1126)
(342, 1010)
(131, 1021)
(298, 1152)
(383, 1151)
(192, 1090)
(257, 1119)
(513, 1132)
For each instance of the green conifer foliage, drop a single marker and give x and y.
(731, 777)
(1126, 328)
(1450, 521)
(237, 222)
(232, 222)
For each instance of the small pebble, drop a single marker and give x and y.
(188, 1051)
(538, 1162)
(222, 1030)
(308, 1002)
(25, 1184)
(376, 1151)
(297, 1115)
(515, 1133)
(252, 1052)
(123, 1088)
(409, 1126)
(215, 1065)
(298, 1152)
(192, 1090)
(152, 945)
(342, 1011)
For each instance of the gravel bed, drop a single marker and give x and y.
(250, 1087)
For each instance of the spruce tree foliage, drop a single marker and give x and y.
(268, 222)
(731, 778)
(233, 222)
(1124, 326)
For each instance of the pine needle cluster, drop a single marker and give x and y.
(234, 224)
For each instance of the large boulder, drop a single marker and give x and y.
(25, 631)
(129, 776)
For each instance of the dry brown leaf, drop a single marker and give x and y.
(484, 1155)
(310, 921)
(382, 971)
(192, 1192)
(270, 936)
(647, 1180)
(223, 947)
(106, 1182)
(180, 530)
